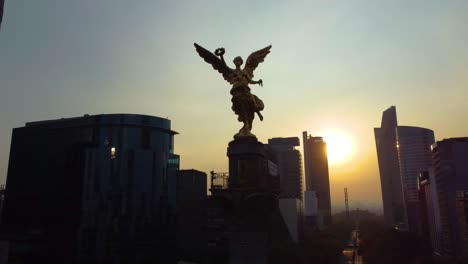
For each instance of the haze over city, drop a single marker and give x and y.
(334, 68)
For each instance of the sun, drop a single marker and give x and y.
(339, 147)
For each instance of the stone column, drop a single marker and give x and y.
(250, 191)
(247, 164)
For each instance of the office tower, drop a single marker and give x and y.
(390, 180)
(316, 174)
(462, 218)
(414, 156)
(450, 163)
(2, 3)
(92, 189)
(289, 163)
(311, 211)
(2, 199)
(191, 215)
(427, 185)
(289, 166)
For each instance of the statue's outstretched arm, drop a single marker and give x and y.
(260, 82)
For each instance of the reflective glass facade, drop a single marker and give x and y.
(98, 189)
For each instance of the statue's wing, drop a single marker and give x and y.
(217, 63)
(254, 59)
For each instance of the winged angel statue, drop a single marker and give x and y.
(244, 103)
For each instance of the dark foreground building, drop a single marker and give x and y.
(192, 238)
(430, 210)
(450, 157)
(92, 189)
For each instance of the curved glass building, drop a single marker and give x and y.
(92, 189)
(414, 156)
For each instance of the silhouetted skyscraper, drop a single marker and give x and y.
(390, 180)
(414, 155)
(462, 218)
(427, 184)
(92, 189)
(316, 174)
(2, 3)
(450, 163)
(289, 162)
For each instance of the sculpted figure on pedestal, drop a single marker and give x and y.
(244, 103)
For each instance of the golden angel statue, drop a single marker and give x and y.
(244, 103)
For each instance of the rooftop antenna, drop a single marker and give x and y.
(346, 202)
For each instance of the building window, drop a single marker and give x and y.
(173, 161)
(113, 153)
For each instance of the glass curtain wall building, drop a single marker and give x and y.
(414, 156)
(289, 162)
(94, 189)
(450, 163)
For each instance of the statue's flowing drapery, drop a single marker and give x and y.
(244, 103)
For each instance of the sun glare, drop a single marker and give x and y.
(339, 147)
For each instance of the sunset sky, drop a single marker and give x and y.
(334, 66)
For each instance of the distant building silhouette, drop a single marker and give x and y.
(462, 217)
(92, 189)
(390, 180)
(312, 218)
(414, 155)
(289, 168)
(430, 204)
(291, 213)
(289, 163)
(2, 200)
(316, 175)
(450, 163)
(191, 215)
(2, 3)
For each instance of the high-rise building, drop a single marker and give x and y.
(191, 215)
(414, 156)
(316, 174)
(450, 163)
(2, 3)
(289, 164)
(390, 180)
(427, 185)
(462, 218)
(92, 189)
(289, 168)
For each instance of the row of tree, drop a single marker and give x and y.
(316, 246)
(379, 244)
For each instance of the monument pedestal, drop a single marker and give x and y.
(250, 190)
(250, 204)
(248, 165)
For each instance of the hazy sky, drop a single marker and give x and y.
(334, 65)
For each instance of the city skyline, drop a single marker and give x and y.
(334, 67)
